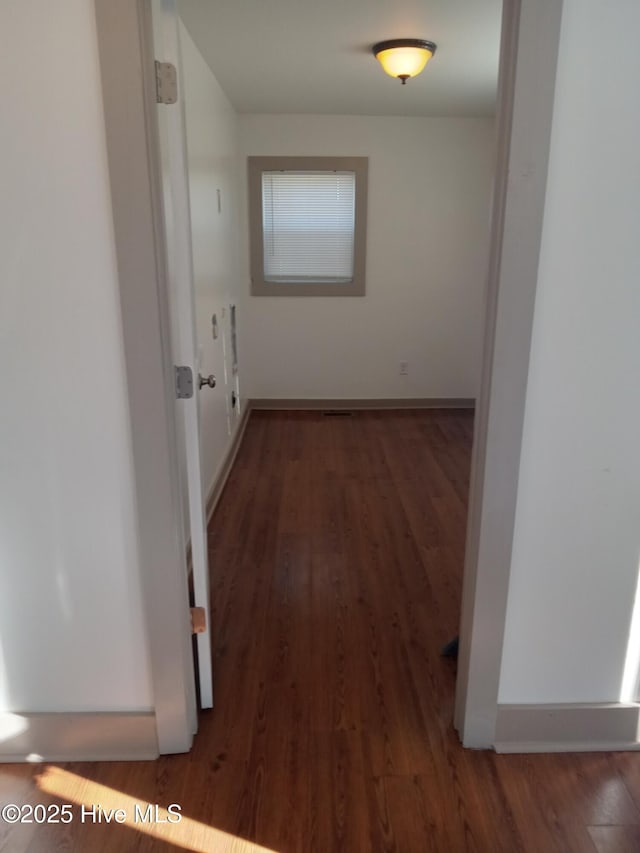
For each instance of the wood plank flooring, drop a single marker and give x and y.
(336, 555)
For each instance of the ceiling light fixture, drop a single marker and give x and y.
(404, 58)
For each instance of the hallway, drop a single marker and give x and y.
(336, 553)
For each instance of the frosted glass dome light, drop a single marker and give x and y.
(404, 58)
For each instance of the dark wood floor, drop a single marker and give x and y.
(336, 554)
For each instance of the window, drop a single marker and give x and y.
(307, 223)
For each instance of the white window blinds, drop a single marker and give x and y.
(308, 221)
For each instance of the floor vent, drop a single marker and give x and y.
(337, 413)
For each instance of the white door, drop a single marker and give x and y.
(175, 191)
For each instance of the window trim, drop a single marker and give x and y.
(258, 165)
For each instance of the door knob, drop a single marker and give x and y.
(209, 380)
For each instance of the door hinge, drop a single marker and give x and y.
(166, 83)
(184, 383)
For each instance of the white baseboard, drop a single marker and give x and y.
(568, 728)
(88, 736)
(220, 477)
(391, 403)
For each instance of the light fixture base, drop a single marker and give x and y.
(390, 44)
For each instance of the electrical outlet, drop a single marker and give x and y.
(404, 368)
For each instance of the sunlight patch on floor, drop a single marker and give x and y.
(140, 815)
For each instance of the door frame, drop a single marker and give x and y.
(529, 49)
(526, 89)
(125, 40)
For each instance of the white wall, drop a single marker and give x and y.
(428, 222)
(577, 538)
(212, 161)
(71, 629)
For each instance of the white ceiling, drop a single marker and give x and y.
(314, 56)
